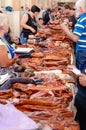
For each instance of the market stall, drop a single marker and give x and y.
(42, 88)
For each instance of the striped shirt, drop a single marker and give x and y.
(80, 31)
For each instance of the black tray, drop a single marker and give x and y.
(24, 56)
(40, 39)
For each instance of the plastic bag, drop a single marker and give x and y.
(13, 119)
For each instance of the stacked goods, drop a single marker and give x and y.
(52, 57)
(45, 103)
(53, 53)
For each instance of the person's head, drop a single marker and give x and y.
(59, 12)
(49, 10)
(52, 12)
(4, 24)
(40, 21)
(56, 9)
(80, 7)
(66, 9)
(35, 10)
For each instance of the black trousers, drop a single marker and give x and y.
(81, 114)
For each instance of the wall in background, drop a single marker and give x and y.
(19, 7)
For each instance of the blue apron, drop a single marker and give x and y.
(9, 48)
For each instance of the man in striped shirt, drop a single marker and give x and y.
(79, 36)
(80, 32)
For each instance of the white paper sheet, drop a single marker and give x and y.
(23, 50)
(13, 119)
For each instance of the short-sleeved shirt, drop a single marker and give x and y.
(80, 31)
(32, 23)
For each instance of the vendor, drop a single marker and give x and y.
(6, 50)
(29, 24)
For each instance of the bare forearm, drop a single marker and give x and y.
(71, 35)
(26, 26)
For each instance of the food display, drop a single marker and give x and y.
(46, 101)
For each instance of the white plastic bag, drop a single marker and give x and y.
(13, 119)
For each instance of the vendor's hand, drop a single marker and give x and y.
(82, 79)
(51, 21)
(33, 30)
(13, 60)
(16, 40)
(16, 56)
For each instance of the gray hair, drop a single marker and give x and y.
(81, 3)
(3, 19)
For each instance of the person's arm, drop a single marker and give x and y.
(69, 33)
(82, 79)
(4, 61)
(24, 25)
(14, 39)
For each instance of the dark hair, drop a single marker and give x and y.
(34, 9)
(48, 9)
(1, 11)
(40, 19)
(67, 6)
(59, 8)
